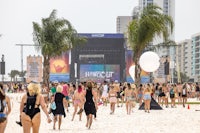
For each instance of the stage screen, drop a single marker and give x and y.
(99, 72)
(59, 68)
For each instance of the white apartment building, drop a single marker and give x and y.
(122, 23)
(168, 7)
(195, 70)
(184, 56)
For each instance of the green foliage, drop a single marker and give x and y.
(144, 28)
(53, 37)
(13, 74)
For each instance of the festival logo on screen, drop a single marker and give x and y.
(99, 72)
(59, 68)
(129, 62)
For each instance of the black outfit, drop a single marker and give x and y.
(161, 93)
(58, 98)
(89, 105)
(172, 95)
(30, 106)
(184, 94)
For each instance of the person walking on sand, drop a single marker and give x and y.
(140, 91)
(90, 105)
(179, 89)
(147, 98)
(112, 99)
(5, 109)
(104, 95)
(65, 92)
(117, 90)
(30, 111)
(184, 94)
(129, 95)
(172, 95)
(59, 111)
(78, 101)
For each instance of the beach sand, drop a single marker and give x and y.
(174, 120)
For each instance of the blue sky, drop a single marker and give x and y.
(87, 16)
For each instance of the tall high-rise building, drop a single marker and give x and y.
(122, 23)
(196, 57)
(183, 57)
(168, 7)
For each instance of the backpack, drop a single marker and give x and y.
(30, 104)
(171, 91)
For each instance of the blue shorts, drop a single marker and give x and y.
(147, 97)
(139, 96)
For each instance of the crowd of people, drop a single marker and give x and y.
(86, 97)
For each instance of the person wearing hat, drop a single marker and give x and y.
(5, 109)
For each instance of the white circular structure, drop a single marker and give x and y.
(149, 61)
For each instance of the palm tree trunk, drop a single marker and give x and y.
(137, 68)
(46, 71)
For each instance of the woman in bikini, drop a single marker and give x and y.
(112, 99)
(78, 101)
(140, 94)
(30, 111)
(147, 98)
(5, 108)
(129, 96)
(184, 94)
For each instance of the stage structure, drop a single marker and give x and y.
(101, 58)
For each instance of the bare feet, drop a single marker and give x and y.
(86, 124)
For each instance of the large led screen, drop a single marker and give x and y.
(99, 72)
(59, 68)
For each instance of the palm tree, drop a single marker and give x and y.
(54, 37)
(13, 74)
(143, 29)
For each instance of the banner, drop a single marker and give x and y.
(99, 72)
(34, 69)
(59, 68)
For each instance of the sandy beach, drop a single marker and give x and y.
(174, 120)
